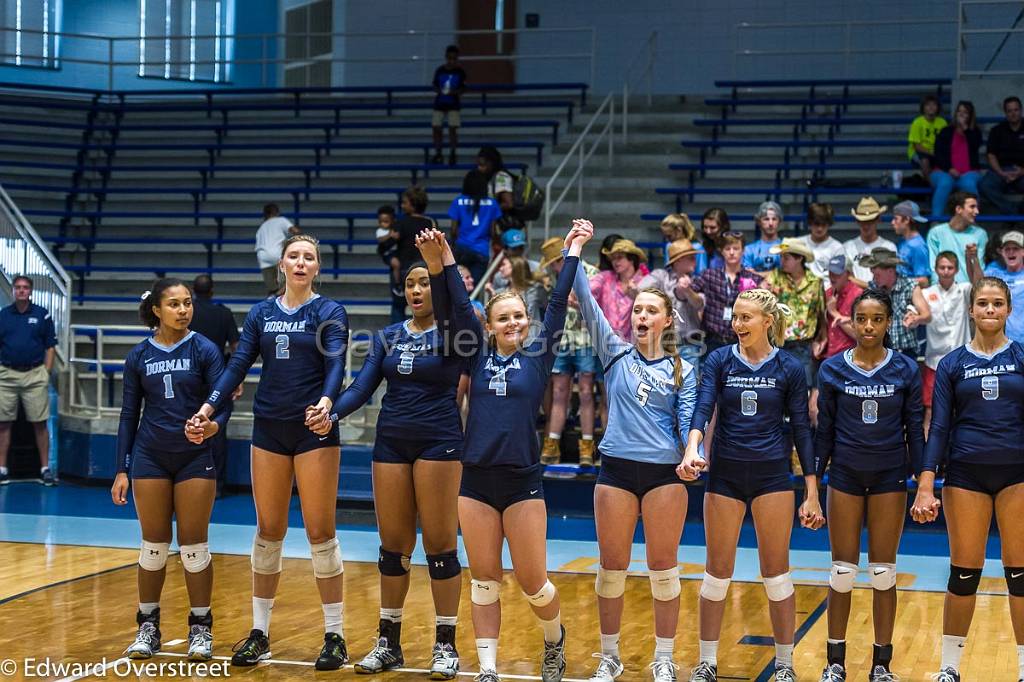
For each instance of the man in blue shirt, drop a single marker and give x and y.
(1011, 271)
(911, 247)
(758, 256)
(27, 342)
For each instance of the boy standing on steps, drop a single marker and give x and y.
(449, 84)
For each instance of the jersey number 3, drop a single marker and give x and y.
(405, 362)
(990, 388)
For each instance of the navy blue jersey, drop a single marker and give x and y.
(173, 381)
(303, 353)
(419, 402)
(978, 408)
(869, 420)
(505, 392)
(753, 401)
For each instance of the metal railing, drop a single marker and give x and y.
(649, 54)
(963, 43)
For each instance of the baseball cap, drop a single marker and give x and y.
(513, 238)
(909, 209)
(1014, 237)
(837, 265)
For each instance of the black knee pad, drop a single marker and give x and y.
(392, 563)
(963, 582)
(1014, 581)
(443, 566)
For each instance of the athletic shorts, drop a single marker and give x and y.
(453, 116)
(636, 477)
(927, 385)
(393, 450)
(983, 478)
(579, 361)
(745, 481)
(174, 466)
(852, 481)
(289, 437)
(502, 487)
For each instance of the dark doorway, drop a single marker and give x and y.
(475, 15)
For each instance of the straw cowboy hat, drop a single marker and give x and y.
(680, 248)
(880, 257)
(625, 246)
(550, 251)
(867, 210)
(796, 247)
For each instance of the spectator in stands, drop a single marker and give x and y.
(950, 328)
(866, 214)
(269, 240)
(500, 184)
(215, 322)
(911, 246)
(1011, 271)
(470, 283)
(719, 288)
(960, 235)
(713, 225)
(1005, 153)
(956, 162)
(387, 246)
(676, 280)
(514, 244)
(615, 289)
(449, 84)
(839, 304)
(473, 215)
(27, 349)
(676, 226)
(909, 309)
(923, 129)
(758, 256)
(820, 218)
(414, 205)
(518, 278)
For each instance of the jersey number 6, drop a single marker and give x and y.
(748, 403)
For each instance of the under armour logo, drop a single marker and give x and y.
(438, 564)
(191, 555)
(153, 551)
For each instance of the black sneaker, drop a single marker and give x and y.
(833, 672)
(334, 654)
(552, 666)
(5, 478)
(48, 479)
(147, 640)
(251, 650)
(947, 675)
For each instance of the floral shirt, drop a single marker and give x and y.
(616, 304)
(806, 300)
(575, 335)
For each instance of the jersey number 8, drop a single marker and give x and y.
(405, 362)
(869, 411)
(990, 388)
(748, 403)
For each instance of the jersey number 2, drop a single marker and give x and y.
(168, 387)
(990, 388)
(281, 350)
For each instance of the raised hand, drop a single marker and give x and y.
(447, 257)
(430, 250)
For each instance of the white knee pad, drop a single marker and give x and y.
(327, 561)
(883, 576)
(714, 589)
(843, 576)
(665, 584)
(544, 596)
(610, 584)
(779, 587)
(484, 592)
(153, 555)
(195, 558)
(266, 556)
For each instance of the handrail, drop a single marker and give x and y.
(650, 52)
(962, 46)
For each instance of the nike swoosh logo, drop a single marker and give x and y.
(268, 318)
(449, 451)
(965, 577)
(323, 438)
(209, 468)
(843, 572)
(533, 492)
(1016, 575)
(879, 571)
(148, 360)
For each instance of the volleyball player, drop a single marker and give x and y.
(755, 385)
(651, 394)
(976, 432)
(416, 471)
(502, 494)
(172, 471)
(301, 338)
(869, 434)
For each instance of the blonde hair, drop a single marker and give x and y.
(308, 238)
(507, 294)
(680, 226)
(521, 277)
(770, 307)
(668, 335)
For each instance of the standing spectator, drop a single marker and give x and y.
(956, 161)
(387, 246)
(866, 214)
(1005, 153)
(909, 309)
(1011, 251)
(719, 288)
(839, 304)
(961, 236)
(759, 256)
(414, 205)
(677, 226)
(449, 84)
(473, 216)
(676, 282)
(615, 289)
(470, 283)
(27, 343)
(713, 225)
(820, 218)
(269, 241)
(911, 246)
(514, 245)
(949, 302)
(500, 183)
(516, 271)
(923, 129)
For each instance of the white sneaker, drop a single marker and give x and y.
(147, 642)
(200, 643)
(704, 672)
(444, 665)
(487, 676)
(608, 669)
(785, 673)
(663, 670)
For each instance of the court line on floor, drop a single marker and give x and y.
(66, 582)
(805, 627)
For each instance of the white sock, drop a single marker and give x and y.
(3, 470)
(555, 436)
(784, 655)
(261, 609)
(663, 647)
(148, 607)
(394, 615)
(610, 644)
(446, 620)
(552, 629)
(200, 610)
(334, 615)
(709, 652)
(487, 652)
(952, 650)
(588, 436)
(43, 470)
(1020, 661)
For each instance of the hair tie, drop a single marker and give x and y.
(145, 295)
(785, 309)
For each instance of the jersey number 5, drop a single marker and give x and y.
(990, 388)
(643, 393)
(748, 403)
(281, 350)
(405, 362)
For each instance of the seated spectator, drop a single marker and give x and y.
(500, 184)
(719, 288)
(449, 84)
(758, 256)
(473, 215)
(1005, 155)
(676, 281)
(923, 129)
(514, 244)
(518, 275)
(470, 283)
(866, 214)
(909, 309)
(911, 246)
(615, 289)
(676, 226)
(387, 246)
(956, 161)
(960, 235)
(839, 305)
(713, 225)
(1011, 271)
(414, 205)
(820, 218)
(270, 237)
(949, 302)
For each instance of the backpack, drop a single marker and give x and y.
(527, 197)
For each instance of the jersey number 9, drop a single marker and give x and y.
(748, 403)
(990, 388)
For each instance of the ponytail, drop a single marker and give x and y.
(770, 307)
(669, 340)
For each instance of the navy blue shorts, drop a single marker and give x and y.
(502, 487)
(852, 481)
(745, 481)
(393, 450)
(636, 477)
(289, 437)
(983, 478)
(174, 466)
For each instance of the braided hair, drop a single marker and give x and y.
(770, 306)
